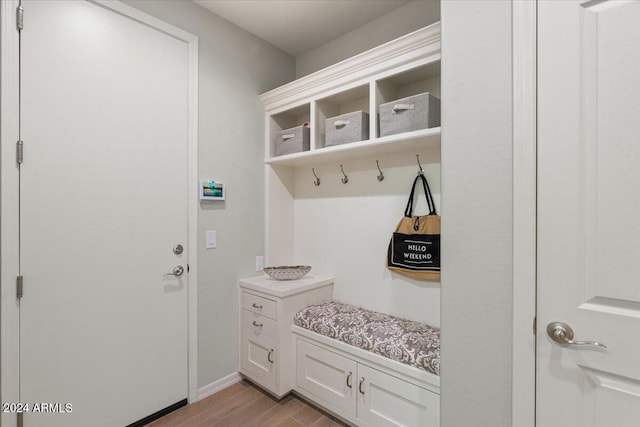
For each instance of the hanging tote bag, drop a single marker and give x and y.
(414, 249)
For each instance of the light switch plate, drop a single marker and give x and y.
(211, 239)
(259, 263)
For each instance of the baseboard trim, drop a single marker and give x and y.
(218, 385)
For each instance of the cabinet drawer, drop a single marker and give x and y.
(327, 375)
(259, 305)
(258, 325)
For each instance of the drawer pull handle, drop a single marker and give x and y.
(288, 136)
(360, 385)
(341, 123)
(349, 382)
(269, 356)
(254, 305)
(256, 324)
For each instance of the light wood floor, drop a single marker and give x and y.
(245, 405)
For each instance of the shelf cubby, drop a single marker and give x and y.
(425, 78)
(292, 117)
(348, 101)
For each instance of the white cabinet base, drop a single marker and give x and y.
(364, 391)
(267, 347)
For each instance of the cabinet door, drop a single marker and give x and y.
(384, 400)
(258, 357)
(327, 376)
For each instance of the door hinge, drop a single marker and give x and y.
(19, 286)
(535, 325)
(20, 152)
(20, 420)
(20, 18)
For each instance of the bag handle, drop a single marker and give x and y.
(408, 212)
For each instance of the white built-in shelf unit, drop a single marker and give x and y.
(400, 68)
(403, 67)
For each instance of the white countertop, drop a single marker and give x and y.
(284, 288)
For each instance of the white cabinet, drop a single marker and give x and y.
(267, 307)
(258, 340)
(360, 393)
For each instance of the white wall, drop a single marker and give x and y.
(401, 21)
(235, 67)
(343, 230)
(476, 367)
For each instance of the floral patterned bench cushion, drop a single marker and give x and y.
(406, 341)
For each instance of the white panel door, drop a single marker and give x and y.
(326, 375)
(103, 202)
(258, 356)
(589, 204)
(387, 401)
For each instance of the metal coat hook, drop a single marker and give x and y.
(316, 181)
(346, 178)
(421, 171)
(381, 176)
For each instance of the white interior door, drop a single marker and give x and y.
(103, 203)
(589, 204)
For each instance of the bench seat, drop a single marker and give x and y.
(406, 341)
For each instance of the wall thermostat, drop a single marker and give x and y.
(212, 191)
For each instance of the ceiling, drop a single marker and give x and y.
(296, 26)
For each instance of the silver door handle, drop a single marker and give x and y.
(177, 271)
(562, 333)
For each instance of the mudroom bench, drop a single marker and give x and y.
(369, 368)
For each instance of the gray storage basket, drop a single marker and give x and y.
(294, 140)
(415, 112)
(346, 128)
